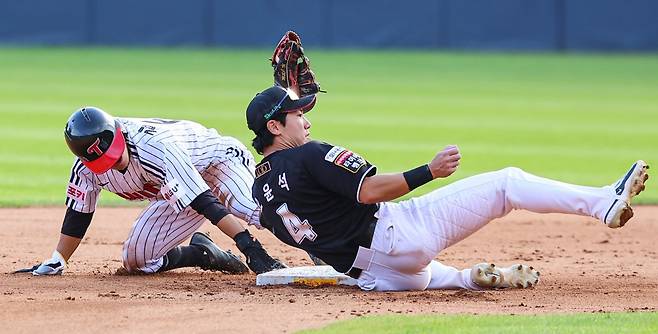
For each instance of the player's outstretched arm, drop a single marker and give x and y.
(382, 188)
(386, 187)
(73, 230)
(258, 260)
(67, 246)
(56, 264)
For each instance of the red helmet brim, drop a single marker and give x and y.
(111, 156)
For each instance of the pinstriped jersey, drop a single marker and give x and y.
(170, 160)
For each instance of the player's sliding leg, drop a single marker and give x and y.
(411, 233)
(482, 276)
(447, 277)
(152, 244)
(610, 204)
(204, 253)
(455, 211)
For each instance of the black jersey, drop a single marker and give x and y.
(309, 198)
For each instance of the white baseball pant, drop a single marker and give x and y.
(410, 234)
(159, 228)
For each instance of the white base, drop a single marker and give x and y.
(308, 275)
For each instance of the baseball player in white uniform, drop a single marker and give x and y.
(329, 201)
(187, 172)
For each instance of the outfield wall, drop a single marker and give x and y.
(446, 24)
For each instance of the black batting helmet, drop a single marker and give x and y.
(95, 137)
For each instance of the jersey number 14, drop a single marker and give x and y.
(298, 229)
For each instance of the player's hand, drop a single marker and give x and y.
(53, 266)
(257, 258)
(445, 162)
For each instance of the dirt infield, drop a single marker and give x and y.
(585, 267)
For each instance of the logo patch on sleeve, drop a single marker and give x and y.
(263, 169)
(350, 161)
(333, 153)
(75, 193)
(172, 191)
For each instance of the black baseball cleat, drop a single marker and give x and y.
(215, 258)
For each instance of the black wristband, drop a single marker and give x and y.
(76, 223)
(418, 176)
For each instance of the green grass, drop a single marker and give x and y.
(614, 323)
(575, 118)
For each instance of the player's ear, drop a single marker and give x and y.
(274, 126)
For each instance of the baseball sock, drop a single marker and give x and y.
(182, 256)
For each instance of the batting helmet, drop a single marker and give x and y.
(95, 137)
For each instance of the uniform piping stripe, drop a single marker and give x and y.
(164, 238)
(173, 241)
(620, 187)
(159, 234)
(148, 235)
(134, 241)
(235, 183)
(605, 220)
(156, 173)
(363, 177)
(76, 173)
(75, 165)
(237, 199)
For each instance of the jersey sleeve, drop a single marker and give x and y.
(337, 168)
(82, 191)
(180, 181)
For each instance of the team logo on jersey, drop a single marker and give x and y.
(172, 191)
(263, 169)
(345, 158)
(75, 193)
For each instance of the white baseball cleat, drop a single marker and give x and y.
(628, 186)
(488, 276)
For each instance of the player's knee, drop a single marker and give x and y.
(511, 171)
(131, 264)
(129, 267)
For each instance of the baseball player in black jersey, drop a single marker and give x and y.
(330, 201)
(183, 169)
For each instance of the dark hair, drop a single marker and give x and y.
(264, 137)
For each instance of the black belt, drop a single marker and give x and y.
(365, 240)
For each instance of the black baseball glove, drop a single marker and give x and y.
(292, 69)
(257, 258)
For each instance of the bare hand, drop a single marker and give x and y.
(445, 162)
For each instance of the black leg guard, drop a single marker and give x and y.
(183, 256)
